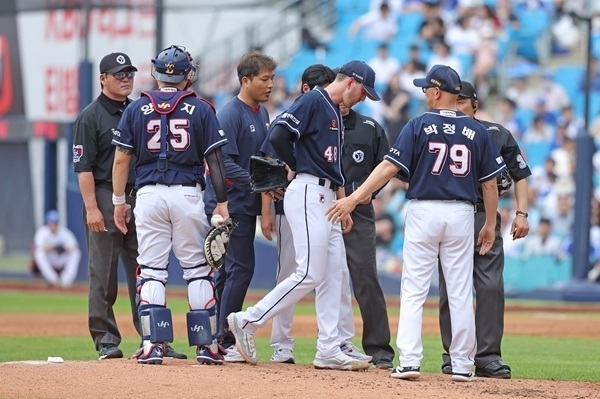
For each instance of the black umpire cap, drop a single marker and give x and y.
(116, 62)
(467, 90)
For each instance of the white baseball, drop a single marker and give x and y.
(216, 220)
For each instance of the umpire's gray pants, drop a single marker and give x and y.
(360, 254)
(104, 250)
(489, 294)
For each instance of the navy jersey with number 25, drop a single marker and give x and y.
(445, 155)
(192, 132)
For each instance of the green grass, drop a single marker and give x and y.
(530, 357)
(15, 262)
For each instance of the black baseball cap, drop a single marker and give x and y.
(467, 90)
(363, 74)
(441, 76)
(116, 62)
(317, 74)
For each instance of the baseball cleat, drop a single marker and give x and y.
(244, 341)
(355, 353)
(170, 352)
(466, 377)
(204, 355)
(406, 373)
(232, 355)
(341, 361)
(151, 354)
(109, 351)
(283, 356)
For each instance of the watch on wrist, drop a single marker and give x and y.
(520, 213)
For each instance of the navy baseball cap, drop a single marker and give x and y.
(467, 90)
(52, 216)
(441, 76)
(116, 62)
(363, 74)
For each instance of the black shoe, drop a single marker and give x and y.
(109, 351)
(383, 364)
(495, 369)
(170, 352)
(446, 368)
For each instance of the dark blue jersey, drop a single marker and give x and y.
(193, 131)
(445, 155)
(246, 130)
(317, 124)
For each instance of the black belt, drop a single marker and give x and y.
(479, 207)
(191, 184)
(129, 190)
(323, 183)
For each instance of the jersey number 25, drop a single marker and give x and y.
(460, 157)
(179, 139)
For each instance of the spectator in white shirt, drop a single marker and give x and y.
(56, 252)
(441, 55)
(384, 65)
(462, 38)
(542, 242)
(381, 25)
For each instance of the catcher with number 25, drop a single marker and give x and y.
(172, 133)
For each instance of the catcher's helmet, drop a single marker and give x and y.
(504, 182)
(173, 64)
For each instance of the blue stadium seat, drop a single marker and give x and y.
(536, 153)
(409, 23)
(569, 76)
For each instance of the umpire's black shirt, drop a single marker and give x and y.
(365, 145)
(510, 151)
(92, 136)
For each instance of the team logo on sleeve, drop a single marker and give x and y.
(521, 161)
(77, 153)
(287, 115)
(499, 160)
(221, 133)
(358, 156)
(115, 132)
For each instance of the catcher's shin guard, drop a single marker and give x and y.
(156, 323)
(199, 327)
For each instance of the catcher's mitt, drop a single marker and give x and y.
(216, 242)
(504, 182)
(266, 174)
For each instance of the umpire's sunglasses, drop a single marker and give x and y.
(123, 75)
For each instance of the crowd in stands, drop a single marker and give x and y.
(479, 38)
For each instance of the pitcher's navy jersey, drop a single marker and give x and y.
(318, 151)
(246, 130)
(445, 155)
(193, 132)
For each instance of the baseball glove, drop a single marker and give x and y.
(504, 182)
(216, 242)
(266, 174)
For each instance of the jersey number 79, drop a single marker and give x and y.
(460, 158)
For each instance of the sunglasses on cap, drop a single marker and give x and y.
(123, 75)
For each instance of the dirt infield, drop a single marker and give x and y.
(124, 378)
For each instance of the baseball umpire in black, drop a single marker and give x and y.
(93, 156)
(365, 145)
(488, 268)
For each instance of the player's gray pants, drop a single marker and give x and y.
(104, 250)
(360, 254)
(489, 292)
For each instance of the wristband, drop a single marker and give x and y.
(118, 199)
(524, 214)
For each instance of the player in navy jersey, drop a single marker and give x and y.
(172, 133)
(245, 122)
(308, 138)
(443, 155)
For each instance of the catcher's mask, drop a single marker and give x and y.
(174, 65)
